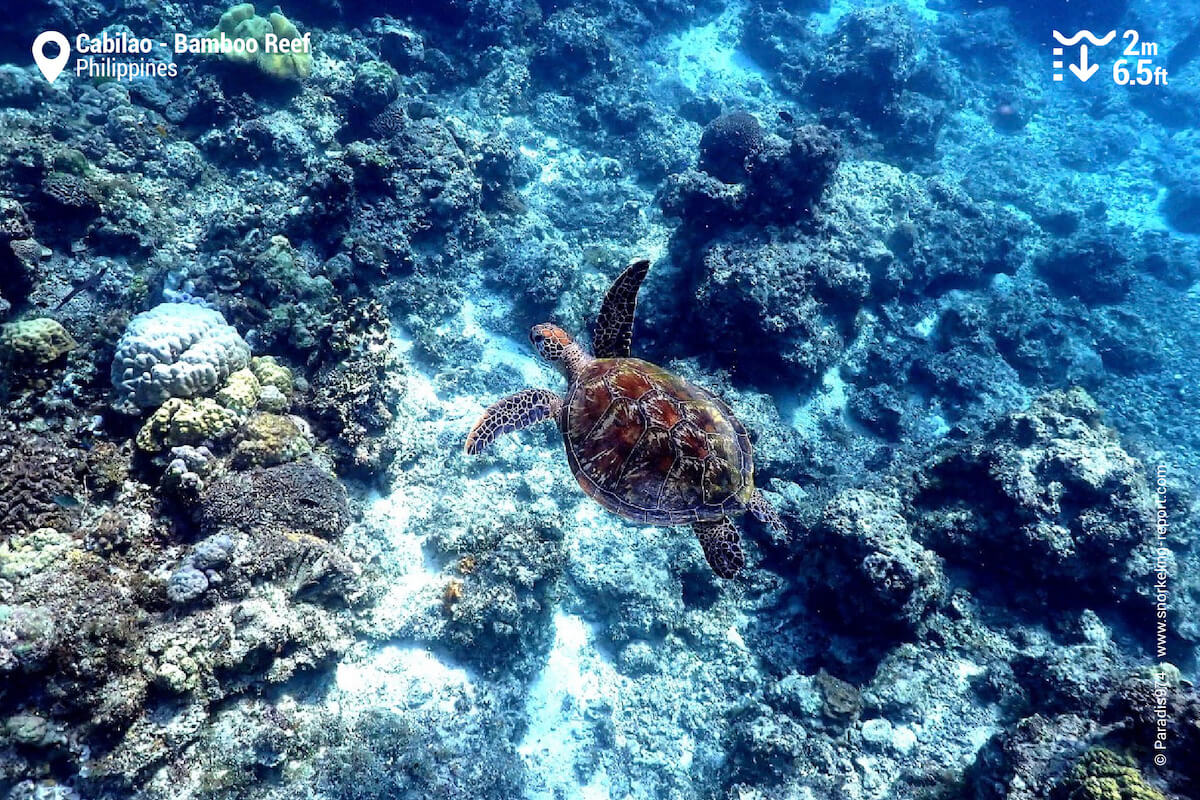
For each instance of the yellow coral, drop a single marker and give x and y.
(275, 36)
(179, 422)
(270, 439)
(35, 342)
(240, 392)
(22, 555)
(1101, 774)
(271, 373)
(285, 64)
(240, 22)
(266, 439)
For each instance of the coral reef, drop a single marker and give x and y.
(187, 422)
(1101, 773)
(39, 484)
(898, 581)
(267, 440)
(774, 180)
(727, 142)
(251, 310)
(298, 496)
(1048, 489)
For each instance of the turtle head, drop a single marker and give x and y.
(556, 346)
(551, 341)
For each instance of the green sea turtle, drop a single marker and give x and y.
(642, 441)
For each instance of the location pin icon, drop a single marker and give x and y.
(51, 67)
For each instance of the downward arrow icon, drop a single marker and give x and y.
(1083, 71)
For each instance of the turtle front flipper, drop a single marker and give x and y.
(613, 336)
(765, 513)
(510, 414)
(722, 546)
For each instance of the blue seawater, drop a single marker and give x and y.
(285, 507)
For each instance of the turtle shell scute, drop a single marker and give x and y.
(652, 447)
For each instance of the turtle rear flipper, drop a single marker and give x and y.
(613, 335)
(722, 546)
(510, 414)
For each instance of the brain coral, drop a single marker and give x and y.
(174, 350)
(38, 484)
